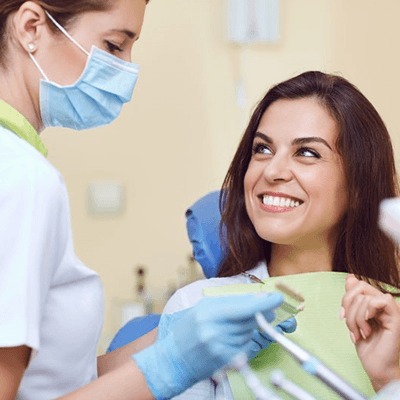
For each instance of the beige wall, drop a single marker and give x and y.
(174, 141)
(367, 52)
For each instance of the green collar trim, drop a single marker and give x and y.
(14, 121)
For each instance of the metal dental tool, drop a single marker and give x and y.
(279, 381)
(241, 364)
(311, 364)
(292, 304)
(293, 300)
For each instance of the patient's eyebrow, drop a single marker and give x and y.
(264, 137)
(311, 139)
(296, 141)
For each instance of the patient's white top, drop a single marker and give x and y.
(187, 297)
(49, 300)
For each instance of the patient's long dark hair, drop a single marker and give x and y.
(366, 150)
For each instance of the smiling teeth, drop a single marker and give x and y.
(279, 201)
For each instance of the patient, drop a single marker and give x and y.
(302, 194)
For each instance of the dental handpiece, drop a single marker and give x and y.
(311, 364)
(278, 380)
(241, 364)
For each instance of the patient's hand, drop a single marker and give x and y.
(373, 319)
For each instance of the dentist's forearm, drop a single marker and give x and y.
(123, 383)
(118, 357)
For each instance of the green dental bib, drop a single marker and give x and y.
(319, 331)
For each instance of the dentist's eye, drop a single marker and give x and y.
(261, 148)
(306, 152)
(112, 48)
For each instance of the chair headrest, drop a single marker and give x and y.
(203, 226)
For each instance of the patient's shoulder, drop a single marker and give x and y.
(189, 295)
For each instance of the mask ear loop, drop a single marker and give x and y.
(37, 65)
(31, 49)
(66, 33)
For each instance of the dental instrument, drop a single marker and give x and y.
(241, 364)
(293, 303)
(279, 381)
(311, 364)
(293, 300)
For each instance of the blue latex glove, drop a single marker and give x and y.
(205, 338)
(261, 341)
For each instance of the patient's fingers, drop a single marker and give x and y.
(385, 309)
(354, 288)
(382, 308)
(355, 318)
(351, 281)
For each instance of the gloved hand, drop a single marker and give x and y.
(204, 339)
(261, 341)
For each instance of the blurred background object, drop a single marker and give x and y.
(253, 21)
(173, 143)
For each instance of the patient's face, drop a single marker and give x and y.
(295, 188)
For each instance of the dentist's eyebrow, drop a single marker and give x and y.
(296, 141)
(126, 32)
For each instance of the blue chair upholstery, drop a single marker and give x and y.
(203, 227)
(202, 223)
(133, 329)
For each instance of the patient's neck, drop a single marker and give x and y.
(288, 259)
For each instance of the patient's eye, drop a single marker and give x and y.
(261, 148)
(307, 152)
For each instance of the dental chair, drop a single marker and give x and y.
(203, 228)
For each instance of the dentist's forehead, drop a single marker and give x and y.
(125, 16)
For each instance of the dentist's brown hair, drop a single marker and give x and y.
(366, 150)
(64, 12)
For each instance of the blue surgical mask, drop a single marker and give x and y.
(96, 98)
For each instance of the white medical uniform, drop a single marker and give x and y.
(49, 300)
(187, 297)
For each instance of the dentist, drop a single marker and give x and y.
(68, 63)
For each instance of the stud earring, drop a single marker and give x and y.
(31, 47)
